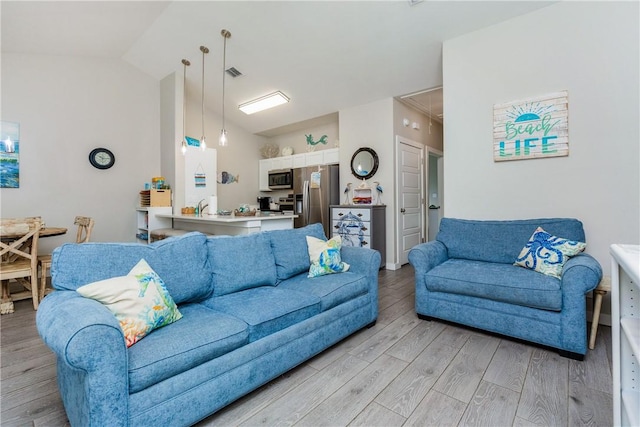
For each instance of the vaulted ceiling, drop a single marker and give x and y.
(325, 55)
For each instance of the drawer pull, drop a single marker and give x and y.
(336, 227)
(359, 214)
(364, 228)
(364, 242)
(340, 214)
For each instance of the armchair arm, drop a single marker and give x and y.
(425, 256)
(581, 274)
(92, 358)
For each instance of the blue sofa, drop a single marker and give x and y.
(467, 276)
(250, 314)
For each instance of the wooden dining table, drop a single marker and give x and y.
(7, 298)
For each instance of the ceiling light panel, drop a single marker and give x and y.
(263, 103)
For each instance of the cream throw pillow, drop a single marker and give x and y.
(140, 301)
(325, 256)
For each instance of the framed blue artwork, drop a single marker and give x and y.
(9, 155)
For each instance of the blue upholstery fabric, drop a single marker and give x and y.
(500, 241)
(466, 276)
(183, 372)
(332, 291)
(499, 282)
(169, 351)
(291, 251)
(266, 309)
(74, 265)
(240, 262)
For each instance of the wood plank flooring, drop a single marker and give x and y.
(401, 372)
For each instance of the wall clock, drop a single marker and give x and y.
(101, 158)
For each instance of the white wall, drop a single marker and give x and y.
(66, 106)
(371, 125)
(588, 48)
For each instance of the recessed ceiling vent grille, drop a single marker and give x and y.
(233, 72)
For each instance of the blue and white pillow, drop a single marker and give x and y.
(325, 256)
(547, 254)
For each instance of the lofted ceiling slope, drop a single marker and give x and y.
(325, 55)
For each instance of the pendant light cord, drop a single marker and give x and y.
(224, 68)
(184, 106)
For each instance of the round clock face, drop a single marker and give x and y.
(101, 158)
(287, 151)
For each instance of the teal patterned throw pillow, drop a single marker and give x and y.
(547, 254)
(325, 256)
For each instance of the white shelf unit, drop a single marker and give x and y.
(625, 328)
(147, 220)
(322, 157)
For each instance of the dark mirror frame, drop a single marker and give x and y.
(373, 170)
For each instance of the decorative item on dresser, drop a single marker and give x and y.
(362, 225)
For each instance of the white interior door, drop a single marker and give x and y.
(409, 179)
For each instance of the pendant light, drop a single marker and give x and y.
(183, 144)
(223, 133)
(203, 140)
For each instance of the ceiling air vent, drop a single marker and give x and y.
(233, 72)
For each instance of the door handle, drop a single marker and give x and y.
(402, 210)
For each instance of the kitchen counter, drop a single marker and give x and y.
(231, 224)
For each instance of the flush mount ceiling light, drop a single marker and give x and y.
(263, 103)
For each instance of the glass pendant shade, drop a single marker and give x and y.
(223, 142)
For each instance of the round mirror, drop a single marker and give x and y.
(364, 163)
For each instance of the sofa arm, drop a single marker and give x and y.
(425, 256)
(365, 261)
(92, 358)
(361, 260)
(581, 274)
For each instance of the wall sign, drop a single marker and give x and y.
(531, 129)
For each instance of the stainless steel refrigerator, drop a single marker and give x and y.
(315, 189)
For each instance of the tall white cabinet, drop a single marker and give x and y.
(625, 328)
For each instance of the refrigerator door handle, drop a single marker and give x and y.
(305, 202)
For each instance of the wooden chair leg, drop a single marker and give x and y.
(44, 268)
(6, 304)
(596, 317)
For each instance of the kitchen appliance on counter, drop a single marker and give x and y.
(280, 179)
(315, 188)
(264, 203)
(286, 204)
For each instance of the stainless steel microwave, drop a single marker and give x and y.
(281, 179)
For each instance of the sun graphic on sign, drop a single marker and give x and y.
(528, 112)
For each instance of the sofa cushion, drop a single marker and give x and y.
(241, 262)
(291, 251)
(201, 335)
(547, 254)
(494, 281)
(189, 280)
(332, 290)
(500, 241)
(139, 301)
(266, 309)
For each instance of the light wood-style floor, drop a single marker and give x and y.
(403, 371)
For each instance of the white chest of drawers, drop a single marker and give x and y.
(360, 225)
